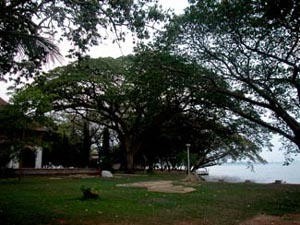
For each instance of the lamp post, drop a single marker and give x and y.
(188, 157)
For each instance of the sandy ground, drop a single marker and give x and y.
(291, 219)
(165, 186)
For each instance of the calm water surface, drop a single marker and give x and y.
(266, 173)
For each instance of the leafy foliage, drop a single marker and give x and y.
(253, 46)
(154, 102)
(17, 130)
(89, 193)
(28, 28)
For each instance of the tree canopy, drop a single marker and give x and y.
(30, 30)
(154, 102)
(254, 47)
(223, 76)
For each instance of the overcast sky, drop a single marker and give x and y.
(106, 49)
(114, 50)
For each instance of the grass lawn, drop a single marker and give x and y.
(36, 201)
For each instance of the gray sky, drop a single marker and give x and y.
(113, 50)
(106, 49)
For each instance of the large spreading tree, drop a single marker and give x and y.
(154, 102)
(254, 47)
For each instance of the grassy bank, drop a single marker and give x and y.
(50, 201)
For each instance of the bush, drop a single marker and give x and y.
(7, 173)
(89, 193)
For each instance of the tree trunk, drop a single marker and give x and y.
(297, 138)
(131, 147)
(86, 145)
(150, 165)
(130, 161)
(105, 142)
(106, 159)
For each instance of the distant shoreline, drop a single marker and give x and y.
(258, 173)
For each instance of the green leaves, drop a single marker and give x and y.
(28, 28)
(154, 102)
(253, 55)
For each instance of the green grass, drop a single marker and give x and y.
(38, 201)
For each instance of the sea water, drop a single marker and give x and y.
(259, 173)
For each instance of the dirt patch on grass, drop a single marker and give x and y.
(151, 221)
(165, 186)
(291, 219)
(193, 222)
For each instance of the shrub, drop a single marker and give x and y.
(89, 193)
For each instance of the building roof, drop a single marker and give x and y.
(3, 102)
